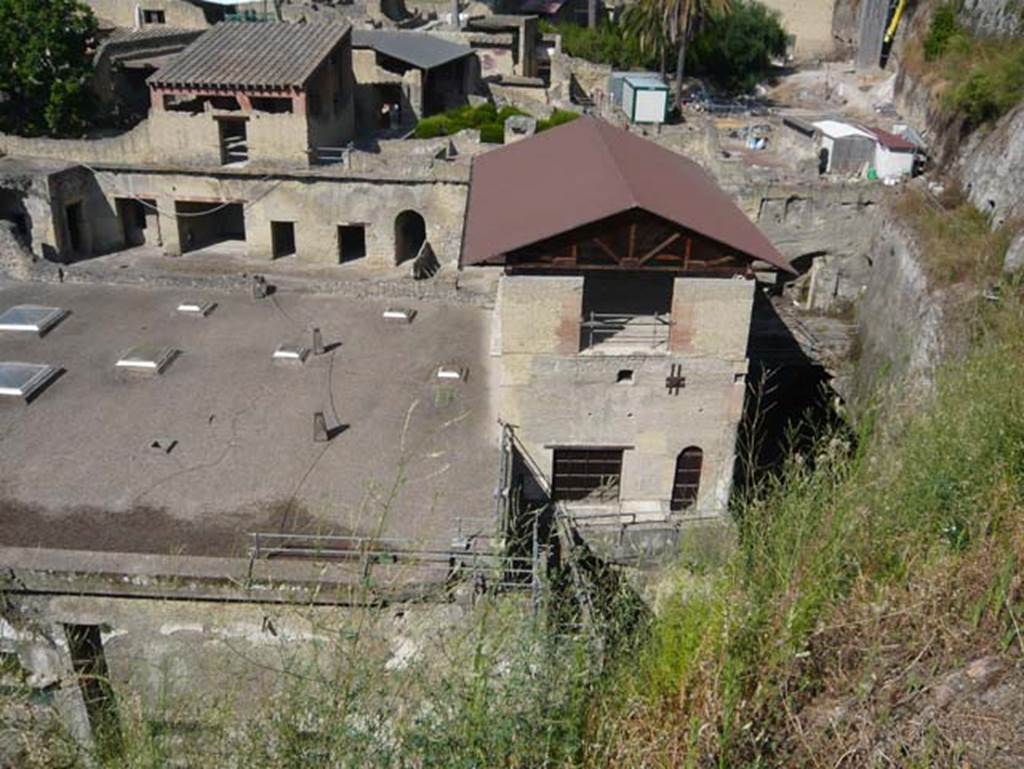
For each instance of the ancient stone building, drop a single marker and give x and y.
(622, 319)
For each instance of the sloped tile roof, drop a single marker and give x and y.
(584, 172)
(270, 55)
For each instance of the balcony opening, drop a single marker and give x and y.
(586, 475)
(234, 143)
(626, 313)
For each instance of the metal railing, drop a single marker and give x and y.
(621, 329)
(472, 561)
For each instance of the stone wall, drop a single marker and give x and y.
(177, 13)
(810, 23)
(991, 168)
(557, 396)
(993, 18)
(317, 210)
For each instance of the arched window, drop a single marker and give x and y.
(686, 483)
(410, 232)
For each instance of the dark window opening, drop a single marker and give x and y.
(135, 215)
(276, 105)
(686, 483)
(153, 17)
(282, 238)
(625, 375)
(626, 313)
(410, 232)
(195, 105)
(592, 475)
(73, 214)
(229, 103)
(202, 224)
(351, 242)
(234, 146)
(85, 646)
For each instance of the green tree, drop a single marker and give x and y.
(671, 24)
(735, 50)
(45, 65)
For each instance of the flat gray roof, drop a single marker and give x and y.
(420, 49)
(409, 455)
(270, 55)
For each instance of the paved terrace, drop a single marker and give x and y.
(408, 458)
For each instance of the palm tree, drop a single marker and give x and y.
(665, 24)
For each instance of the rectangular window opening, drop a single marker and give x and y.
(275, 105)
(153, 17)
(351, 242)
(590, 475)
(234, 145)
(202, 224)
(282, 238)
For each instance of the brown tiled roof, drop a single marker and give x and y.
(586, 171)
(269, 55)
(892, 141)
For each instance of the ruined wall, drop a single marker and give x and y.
(905, 327)
(558, 397)
(824, 230)
(317, 209)
(177, 13)
(993, 18)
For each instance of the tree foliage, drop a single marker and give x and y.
(735, 50)
(45, 65)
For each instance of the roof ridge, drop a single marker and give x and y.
(599, 124)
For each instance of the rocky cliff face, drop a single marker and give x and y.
(993, 18)
(990, 168)
(905, 327)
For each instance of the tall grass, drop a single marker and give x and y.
(910, 502)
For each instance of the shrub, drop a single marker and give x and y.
(492, 133)
(485, 117)
(608, 43)
(558, 117)
(941, 30)
(735, 50)
(987, 80)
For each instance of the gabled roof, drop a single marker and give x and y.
(586, 171)
(416, 48)
(272, 55)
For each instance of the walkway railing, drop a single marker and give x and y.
(620, 329)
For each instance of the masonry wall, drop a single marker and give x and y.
(317, 207)
(558, 397)
(810, 22)
(177, 13)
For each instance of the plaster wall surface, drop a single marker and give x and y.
(809, 22)
(316, 208)
(557, 397)
(177, 13)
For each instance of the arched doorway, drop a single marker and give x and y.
(410, 232)
(686, 483)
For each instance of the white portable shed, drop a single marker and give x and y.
(844, 148)
(894, 155)
(645, 98)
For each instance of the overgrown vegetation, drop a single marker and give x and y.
(957, 240)
(732, 45)
(45, 66)
(608, 43)
(489, 120)
(984, 77)
(735, 50)
(920, 514)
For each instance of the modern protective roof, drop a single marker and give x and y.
(585, 171)
(836, 130)
(893, 142)
(416, 48)
(268, 55)
(646, 81)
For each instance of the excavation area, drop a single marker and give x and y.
(186, 422)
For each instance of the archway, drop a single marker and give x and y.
(410, 232)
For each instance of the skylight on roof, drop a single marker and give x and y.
(31, 317)
(22, 380)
